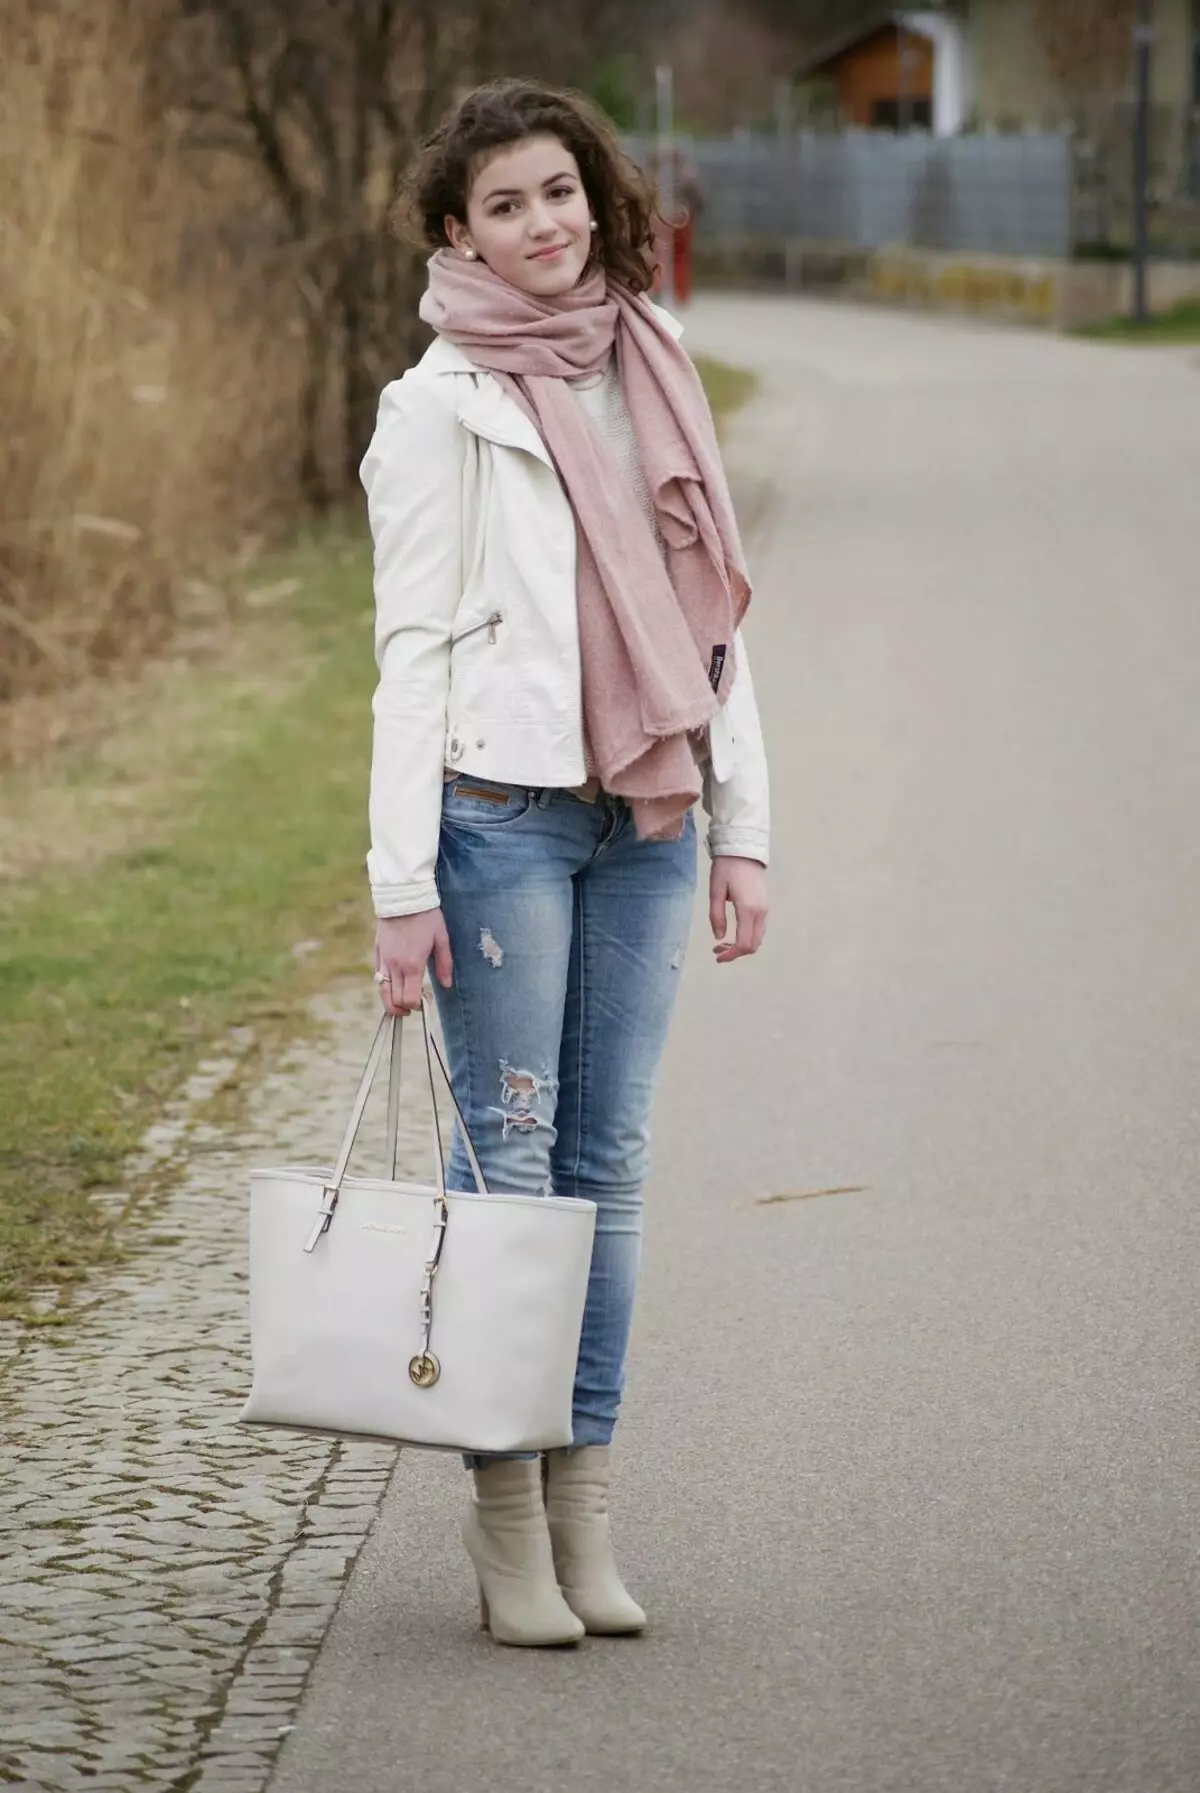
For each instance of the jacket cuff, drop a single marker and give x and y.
(404, 899)
(731, 842)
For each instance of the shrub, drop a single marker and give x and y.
(147, 401)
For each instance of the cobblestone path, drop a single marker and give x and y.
(166, 1575)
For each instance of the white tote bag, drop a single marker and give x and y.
(386, 1310)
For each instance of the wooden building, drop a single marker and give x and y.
(897, 71)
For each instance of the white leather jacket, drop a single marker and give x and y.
(476, 633)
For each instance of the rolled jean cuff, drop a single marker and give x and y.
(591, 1432)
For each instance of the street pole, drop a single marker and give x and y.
(1143, 38)
(783, 110)
(901, 77)
(785, 160)
(664, 86)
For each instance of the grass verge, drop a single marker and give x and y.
(118, 971)
(1180, 325)
(205, 871)
(728, 388)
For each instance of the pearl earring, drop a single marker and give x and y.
(595, 226)
(470, 254)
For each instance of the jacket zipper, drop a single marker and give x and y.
(491, 624)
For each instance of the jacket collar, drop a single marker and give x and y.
(482, 404)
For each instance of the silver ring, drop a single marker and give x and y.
(383, 977)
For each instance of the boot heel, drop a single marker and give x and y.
(485, 1617)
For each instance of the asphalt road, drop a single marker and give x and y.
(909, 1475)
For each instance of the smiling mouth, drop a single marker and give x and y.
(549, 254)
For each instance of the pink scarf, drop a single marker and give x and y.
(656, 639)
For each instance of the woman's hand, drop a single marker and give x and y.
(404, 945)
(742, 882)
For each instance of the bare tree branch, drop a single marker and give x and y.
(331, 98)
(261, 119)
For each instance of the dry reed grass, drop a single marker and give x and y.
(147, 393)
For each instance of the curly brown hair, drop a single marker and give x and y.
(439, 178)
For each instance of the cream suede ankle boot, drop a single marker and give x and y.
(577, 1510)
(507, 1539)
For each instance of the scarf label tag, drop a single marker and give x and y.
(717, 665)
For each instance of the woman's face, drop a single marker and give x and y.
(528, 218)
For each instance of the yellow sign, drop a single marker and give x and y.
(967, 285)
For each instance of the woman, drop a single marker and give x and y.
(558, 583)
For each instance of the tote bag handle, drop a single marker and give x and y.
(388, 1035)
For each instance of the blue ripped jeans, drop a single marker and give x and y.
(568, 936)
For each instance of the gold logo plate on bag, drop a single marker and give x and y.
(424, 1370)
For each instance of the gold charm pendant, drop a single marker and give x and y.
(424, 1370)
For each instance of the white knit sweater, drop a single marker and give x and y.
(602, 399)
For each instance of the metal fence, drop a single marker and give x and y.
(1005, 195)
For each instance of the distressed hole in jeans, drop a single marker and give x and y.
(491, 949)
(520, 1094)
(677, 959)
